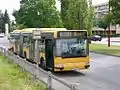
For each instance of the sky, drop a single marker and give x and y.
(10, 5)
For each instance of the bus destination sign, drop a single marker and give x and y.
(70, 34)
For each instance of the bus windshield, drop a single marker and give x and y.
(70, 47)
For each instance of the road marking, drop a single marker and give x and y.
(96, 61)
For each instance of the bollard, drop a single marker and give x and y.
(73, 87)
(4, 52)
(23, 67)
(13, 58)
(0, 49)
(49, 82)
(18, 58)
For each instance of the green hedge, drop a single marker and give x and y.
(113, 35)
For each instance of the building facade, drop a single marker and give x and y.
(101, 9)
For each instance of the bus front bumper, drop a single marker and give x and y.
(71, 66)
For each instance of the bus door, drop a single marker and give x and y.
(16, 46)
(21, 46)
(49, 53)
(31, 50)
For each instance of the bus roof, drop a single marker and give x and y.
(42, 29)
(17, 31)
(30, 30)
(53, 29)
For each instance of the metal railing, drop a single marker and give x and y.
(37, 72)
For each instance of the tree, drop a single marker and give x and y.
(64, 8)
(79, 16)
(102, 24)
(91, 18)
(38, 13)
(2, 26)
(115, 11)
(6, 17)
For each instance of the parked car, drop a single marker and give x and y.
(2, 35)
(96, 38)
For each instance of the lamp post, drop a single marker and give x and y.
(109, 27)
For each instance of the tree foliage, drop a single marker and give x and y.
(64, 8)
(76, 14)
(90, 22)
(102, 23)
(115, 11)
(4, 18)
(38, 13)
(2, 22)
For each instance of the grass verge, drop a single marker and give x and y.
(13, 78)
(104, 49)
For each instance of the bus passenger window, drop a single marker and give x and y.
(42, 45)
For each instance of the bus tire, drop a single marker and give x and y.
(42, 63)
(25, 55)
(11, 49)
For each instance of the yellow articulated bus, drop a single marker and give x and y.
(63, 50)
(58, 49)
(23, 44)
(14, 41)
(28, 44)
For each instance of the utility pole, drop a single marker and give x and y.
(109, 28)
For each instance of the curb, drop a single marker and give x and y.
(104, 53)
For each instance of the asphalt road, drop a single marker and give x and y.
(4, 43)
(104, 73)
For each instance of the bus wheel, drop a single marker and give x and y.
(42, 63)
(12, 49)
(24, 54)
